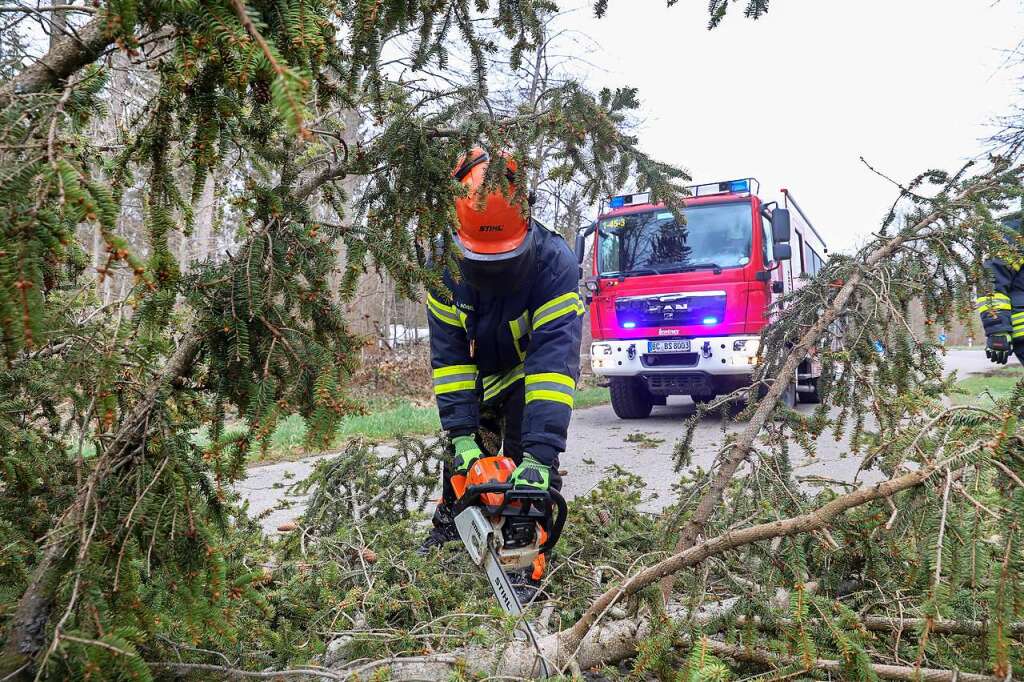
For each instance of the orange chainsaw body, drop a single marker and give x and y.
(498, 469)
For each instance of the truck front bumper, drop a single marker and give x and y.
(713, 361)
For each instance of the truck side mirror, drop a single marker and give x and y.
(581, 246)
(781, 230)
(783, 251)
(581, 241)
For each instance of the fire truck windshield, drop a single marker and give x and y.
(715, 236)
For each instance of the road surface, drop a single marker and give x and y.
(597, 440)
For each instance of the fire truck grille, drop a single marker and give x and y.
(679, 384)
(677, 310)
(670, 360)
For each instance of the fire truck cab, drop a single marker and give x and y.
(678, 309)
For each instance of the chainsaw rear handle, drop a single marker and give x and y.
(551, 496)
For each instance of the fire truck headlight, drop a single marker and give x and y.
(602, 349)
(741, 345)
(591, 285)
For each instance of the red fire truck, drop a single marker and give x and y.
(678, 309)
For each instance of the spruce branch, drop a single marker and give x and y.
(737, 451)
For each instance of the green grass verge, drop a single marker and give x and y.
(589, 397)
(385, 420)
(982, 389)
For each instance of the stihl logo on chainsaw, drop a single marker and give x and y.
(506, 599)
(491, 228)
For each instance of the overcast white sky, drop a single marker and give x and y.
(794, 99)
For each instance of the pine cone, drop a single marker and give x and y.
(261, 91)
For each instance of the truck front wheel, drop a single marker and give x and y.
(630, 398)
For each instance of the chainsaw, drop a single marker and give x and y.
(506, 529)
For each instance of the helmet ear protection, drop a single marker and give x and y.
(469, 164)
(483, 157)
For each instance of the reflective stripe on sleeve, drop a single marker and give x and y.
(454, 378)
(448, 314)
(552, 386)
(563, 305)
(993, 302)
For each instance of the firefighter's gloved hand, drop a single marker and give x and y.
(466, 452)
(998, 348)
(531, 474)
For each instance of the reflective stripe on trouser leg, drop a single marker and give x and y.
(454, 378)
(559, 388)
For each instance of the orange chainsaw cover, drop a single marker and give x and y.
(496, 469)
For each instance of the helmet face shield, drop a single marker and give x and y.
(497, 274)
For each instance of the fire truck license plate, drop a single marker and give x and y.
(673, 346)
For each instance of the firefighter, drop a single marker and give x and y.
(504, 343)
(1002, 312)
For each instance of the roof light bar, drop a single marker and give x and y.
(740, 186)
(624, 200)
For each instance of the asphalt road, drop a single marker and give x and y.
(597, 440)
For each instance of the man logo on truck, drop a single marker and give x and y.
(709, 282)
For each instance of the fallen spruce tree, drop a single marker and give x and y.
(912, 576)
(125, 554)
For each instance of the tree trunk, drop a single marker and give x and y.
(65, 57)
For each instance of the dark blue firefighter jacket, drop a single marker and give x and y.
(481, 346)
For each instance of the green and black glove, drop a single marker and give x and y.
(531, 474)
(466, 452)
(998, 348)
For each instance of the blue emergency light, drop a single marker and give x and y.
(617, 202)
(628, 325)
(710, 320)
(739, 186)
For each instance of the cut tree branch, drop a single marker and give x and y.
(805, 523)
(617, 640)
(740, 449)
(886, 672)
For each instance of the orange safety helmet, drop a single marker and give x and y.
(500, 226)
(496, 240)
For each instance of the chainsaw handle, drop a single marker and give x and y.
(472, 494)
(559, 522)
(550, 496)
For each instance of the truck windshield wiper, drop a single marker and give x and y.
(643, 271)
(700, 266)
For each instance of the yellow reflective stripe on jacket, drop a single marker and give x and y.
(996, 301)
(520, 330)
(448, 314)
(552, 386)
(454, 378)
(496, 383)
(563, 305)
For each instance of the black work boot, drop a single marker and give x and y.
(444, 530)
